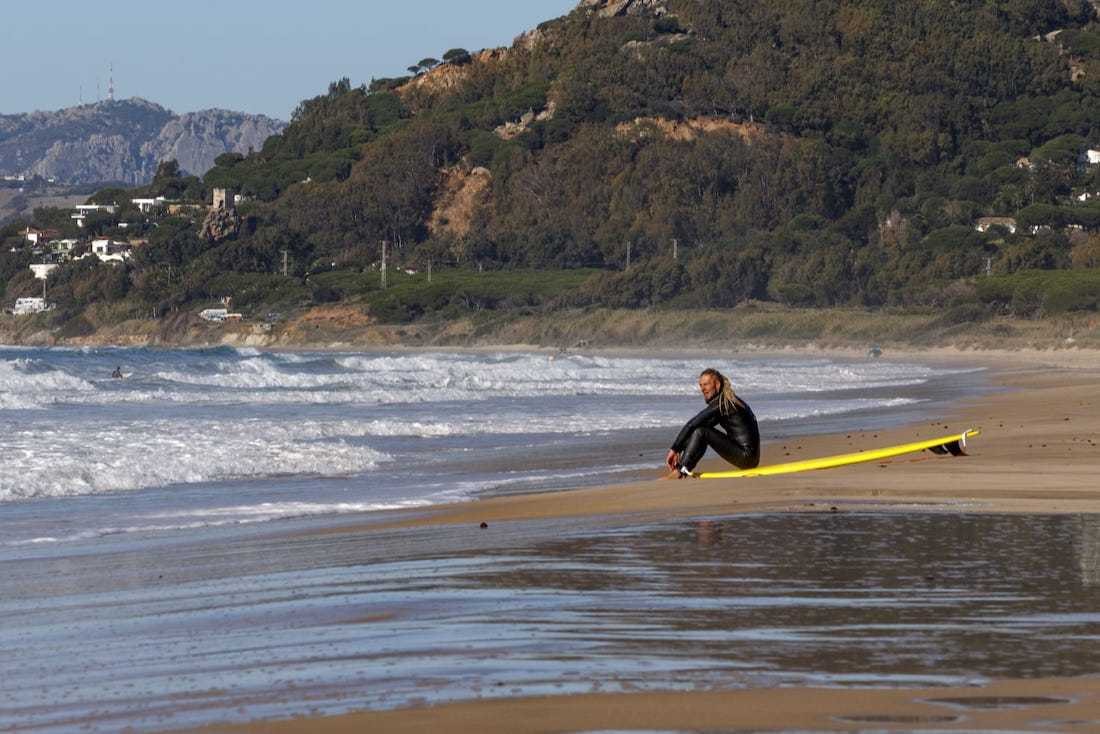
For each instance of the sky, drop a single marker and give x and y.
(258, 57)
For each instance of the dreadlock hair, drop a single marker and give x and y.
(728, 402)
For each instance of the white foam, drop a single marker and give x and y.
(28, 384)
(225, 516)
(66, 460)
(291, 378)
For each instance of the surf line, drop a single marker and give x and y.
(954, 445)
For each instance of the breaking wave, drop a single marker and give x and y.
(59, 460)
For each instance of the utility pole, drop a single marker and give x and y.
(627, 256)
(675, 249)
(285, 269)
(988, 266)
(429, 271)
(383, 264)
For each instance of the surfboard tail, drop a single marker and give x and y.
(956, 447)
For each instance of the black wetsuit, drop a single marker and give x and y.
(739, 444)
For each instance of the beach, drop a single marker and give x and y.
(1037, 455)
(839, 600)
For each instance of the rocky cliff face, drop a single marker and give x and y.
(124, 141)
(612, 8)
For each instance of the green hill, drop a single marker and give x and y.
(809, 153)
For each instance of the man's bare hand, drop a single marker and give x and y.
(672, 460)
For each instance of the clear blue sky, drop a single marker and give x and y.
(261, 57)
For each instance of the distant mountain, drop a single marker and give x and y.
(124, 140)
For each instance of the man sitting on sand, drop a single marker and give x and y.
(739, 440)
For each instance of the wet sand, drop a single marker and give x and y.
(1053, 704)
(1038, 455)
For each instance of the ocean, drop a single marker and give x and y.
(222, 439)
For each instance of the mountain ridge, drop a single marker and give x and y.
(123, 141)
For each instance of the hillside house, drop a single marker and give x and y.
(38, 236)
(1025, 163)
(984, 224)
(83, 210)
(1090, 157)
(147, 205)
(110, 251)
(1087, 196)
(63, 248)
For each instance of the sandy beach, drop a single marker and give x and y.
(923, 593)
(1037, 455)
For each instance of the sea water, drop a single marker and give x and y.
(195, 439)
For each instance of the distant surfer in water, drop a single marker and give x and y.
(726, 425)
(117, 374)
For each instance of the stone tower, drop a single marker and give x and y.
(223, 199)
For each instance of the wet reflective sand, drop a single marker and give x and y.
(272, 627)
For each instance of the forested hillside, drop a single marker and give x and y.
(810, 152)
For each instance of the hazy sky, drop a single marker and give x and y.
(246, 55)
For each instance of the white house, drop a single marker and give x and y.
(42, 270)
(89, 208)
(40, 236)
(111, 251)
(25, 306)
(64, 246)
(1087, 196)
(83, 210)
(1090, 157)
(985, 223)
(147, 205)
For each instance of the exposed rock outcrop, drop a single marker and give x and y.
(612, 8)
(447, 78)
(220, 224)
(462, 194)
(123, 141)
(511, 130)
(688, 130)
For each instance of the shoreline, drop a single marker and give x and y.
(349, 326)
(1050, 413)
(1038, 455)
(1036, 417)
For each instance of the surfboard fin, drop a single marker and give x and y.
(955, 448)
(952, 447)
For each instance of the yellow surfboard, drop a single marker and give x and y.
(945, 445)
